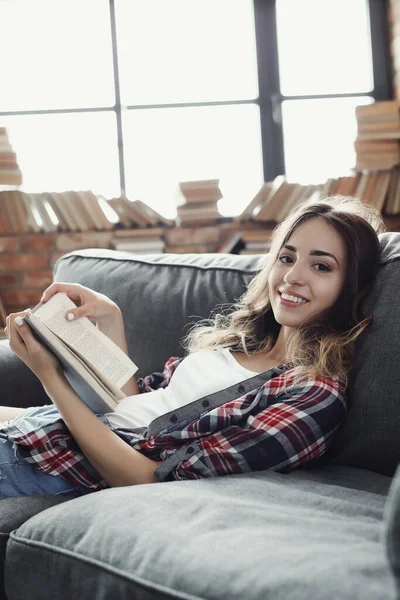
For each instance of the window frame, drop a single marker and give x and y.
(270, 98)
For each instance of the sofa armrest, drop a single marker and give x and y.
(19, 386)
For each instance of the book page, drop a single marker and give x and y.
(82, 335)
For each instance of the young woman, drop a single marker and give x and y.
(263, 384)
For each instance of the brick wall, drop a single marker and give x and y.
(27, 260)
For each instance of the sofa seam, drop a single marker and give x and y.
(57, 550)
(144, 262)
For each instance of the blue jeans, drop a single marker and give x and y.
(19, 478)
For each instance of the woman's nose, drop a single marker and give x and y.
(294, 275)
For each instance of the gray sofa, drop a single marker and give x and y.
(330, 530)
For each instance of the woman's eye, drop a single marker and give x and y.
(325, 267)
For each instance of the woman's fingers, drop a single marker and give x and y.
(73, 290)
(16, 330)
(86, 310)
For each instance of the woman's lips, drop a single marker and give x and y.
(290, 304)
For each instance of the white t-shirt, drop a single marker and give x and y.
(199, 374)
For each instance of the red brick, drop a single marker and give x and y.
(38, 242)
(25, 298)
(39, 279)
(54, 258)
(75, 241)
(9, 244)
(179, 236)
(23, 262)
(7, 279)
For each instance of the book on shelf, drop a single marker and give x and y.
(11, 209)
(256, 202)
(154, 232)
(64, 208)
(150, 246)
(257, 241)
(21, 212)
(232, 243)
(78, 207)
(362, 184)
(31, 218)
(206, 190)
(151, 213)
(10, 173)
(392, 206)
(93, 364)
(133, 212)
(117, 205)
(5, 226)
(3, 315)
(50, 199)
(296, 192)
(205, 210)
(91, 201)
(187, 249)
(37, 202)
(381, 190)
(370, 187)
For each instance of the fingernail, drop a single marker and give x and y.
(19, 321)
(70, 316)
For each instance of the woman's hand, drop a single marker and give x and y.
(34, 354)
(93, 305)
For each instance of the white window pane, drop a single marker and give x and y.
(319, 138)
(181, 51)
(165, 146)
(55, 54)
(324, 46)
(76, 151)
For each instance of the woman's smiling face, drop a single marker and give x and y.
(316, 278)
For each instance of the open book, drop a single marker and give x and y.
(95, 367)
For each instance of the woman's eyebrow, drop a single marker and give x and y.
(314, 252)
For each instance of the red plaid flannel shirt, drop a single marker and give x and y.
(264, 428)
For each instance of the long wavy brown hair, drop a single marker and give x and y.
(321, 347)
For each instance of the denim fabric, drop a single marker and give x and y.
(20, 478)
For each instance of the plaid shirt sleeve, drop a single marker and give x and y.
(157, 379)
(290, 429)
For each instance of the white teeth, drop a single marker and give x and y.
(292, 298)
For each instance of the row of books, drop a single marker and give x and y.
(10, 173)
(72, 211)
(377, 144)
(275, 200)
(200, 203)
(140, 241)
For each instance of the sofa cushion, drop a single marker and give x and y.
(391, 518)
(14, 512)
(300, 536)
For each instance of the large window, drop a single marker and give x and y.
(136, 95)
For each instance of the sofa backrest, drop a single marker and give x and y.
(161, 295)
